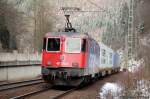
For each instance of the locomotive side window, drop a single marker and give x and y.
(110, 58)
(103, 58)
(103, 61)
(84, 45)
(73, 45)
(44, 43)
(104, 52)
(53, 44)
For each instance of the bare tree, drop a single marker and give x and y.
(27, 21)
(41, 16)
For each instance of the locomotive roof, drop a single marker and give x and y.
(68, 34)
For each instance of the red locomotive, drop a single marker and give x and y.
(65, 57)
(70, 58)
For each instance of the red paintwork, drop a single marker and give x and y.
(69, 58)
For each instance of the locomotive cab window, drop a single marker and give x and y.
(73, 45)
(53, 44)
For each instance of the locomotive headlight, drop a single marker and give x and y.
(49, 63)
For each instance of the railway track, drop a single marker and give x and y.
(29, 94)
(65, 93)
(51, 90)
(14, 85)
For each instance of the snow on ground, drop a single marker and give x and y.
(110, 90)
(134, 65)
(115, 91)
(143, 87)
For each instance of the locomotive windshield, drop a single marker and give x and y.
(53, 44)
(73, 45)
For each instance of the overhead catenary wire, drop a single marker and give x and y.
(96, 5)
(84, 11)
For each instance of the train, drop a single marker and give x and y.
(72, 59)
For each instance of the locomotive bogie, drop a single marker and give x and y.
(64, 73)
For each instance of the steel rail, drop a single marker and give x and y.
(20, 84)
(64, 93)
(17, 82)
(30, 94)
(39, 91)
